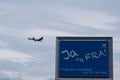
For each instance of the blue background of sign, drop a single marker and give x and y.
(87, 68)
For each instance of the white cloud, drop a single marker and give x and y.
(10, 31)
(46, 32)
(116, 44)
(8, 9)
(37, 78)
(3, 44)
(14, 56)
(24, 76)
(9, 74)
(116, 70)
(116, 38)
(116, 47)
(92, 19)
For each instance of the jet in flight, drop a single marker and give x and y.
(40, 39)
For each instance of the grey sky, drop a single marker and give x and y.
(20, 19)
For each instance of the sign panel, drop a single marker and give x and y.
(84, 57)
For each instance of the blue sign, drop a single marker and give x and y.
(83, 58)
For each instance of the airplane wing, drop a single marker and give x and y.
(40, 39)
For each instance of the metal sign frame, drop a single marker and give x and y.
(58, 39)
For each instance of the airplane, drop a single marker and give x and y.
(40, 39)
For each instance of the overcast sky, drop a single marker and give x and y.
(21, 59)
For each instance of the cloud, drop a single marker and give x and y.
(56, 15)
(116, 47)
(92, 19)
(116, 44)
(116, 66)
(46, 32)
(9, 75)
(3, 44)
(38, 78)
(14, 56)
(12, 75)
(7, 31)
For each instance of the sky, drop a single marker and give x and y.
(21, 59)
